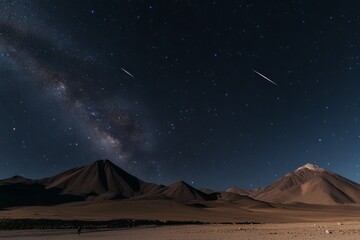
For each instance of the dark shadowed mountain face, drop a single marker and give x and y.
(310, 184)
(99, 181)
(31, 193)
(102, 178)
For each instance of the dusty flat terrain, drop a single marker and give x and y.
(216, 212)
(294, 221)
(278, 231)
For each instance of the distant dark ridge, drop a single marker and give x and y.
(32, 194)
(26, 223)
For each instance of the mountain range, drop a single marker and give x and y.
(104, 181)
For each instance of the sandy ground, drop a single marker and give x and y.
(277, 222)
(278, 231)
(170, 210)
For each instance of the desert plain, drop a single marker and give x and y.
(349, 230)
(216, 221)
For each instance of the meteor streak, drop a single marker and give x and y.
(265, 77)
(127, 73)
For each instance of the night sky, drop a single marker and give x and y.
(167, 90)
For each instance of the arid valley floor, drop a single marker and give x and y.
(285, 222)
(323, 230)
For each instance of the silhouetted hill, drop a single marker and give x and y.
(16, 179)
(31, 193)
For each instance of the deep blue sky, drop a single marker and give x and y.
(194, 109)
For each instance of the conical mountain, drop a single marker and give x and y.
(184, 192)
(313, 185)
(239, 191)
(100, 178)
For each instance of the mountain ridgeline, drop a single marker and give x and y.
(104, 181)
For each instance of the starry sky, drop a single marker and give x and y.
(167, 90)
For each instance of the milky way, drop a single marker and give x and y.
(70, 76)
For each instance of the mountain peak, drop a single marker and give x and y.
(103, 161)
(311, 167)
(100, 177)
(182, 191)
(310, 184)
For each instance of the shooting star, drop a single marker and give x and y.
(265, 77)
(127, 73)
